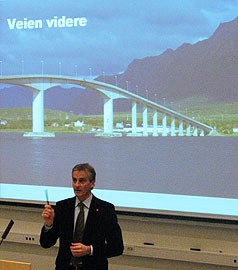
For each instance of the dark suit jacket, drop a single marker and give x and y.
(102, 231)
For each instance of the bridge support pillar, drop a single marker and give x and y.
(195, 132)
(188, 130)
(155, 123)
(181, 128)
(133, 117)
(172, 133)
(38, 115)
(164, 125)
(108, 116)
(145, 120)
(38, 111)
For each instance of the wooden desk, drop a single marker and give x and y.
(12, 265)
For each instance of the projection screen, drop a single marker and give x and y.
(144, 91)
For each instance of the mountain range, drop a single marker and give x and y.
(206, 71)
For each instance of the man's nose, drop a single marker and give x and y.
(78, 183)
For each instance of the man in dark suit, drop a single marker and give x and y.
(101, 235)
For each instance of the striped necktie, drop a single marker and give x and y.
(79, 226)
(78, 236)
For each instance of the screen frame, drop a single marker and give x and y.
(121, 200)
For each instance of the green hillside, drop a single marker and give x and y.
(224, 117)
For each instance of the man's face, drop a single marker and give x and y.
(82, 185)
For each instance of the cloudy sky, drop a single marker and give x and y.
(40, 36)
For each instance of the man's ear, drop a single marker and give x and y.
(92, 184)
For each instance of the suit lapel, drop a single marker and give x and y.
(70, 218)
(92, 218)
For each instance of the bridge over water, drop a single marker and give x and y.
(180, 125)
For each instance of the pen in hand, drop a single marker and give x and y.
(47, 197)
(48, 212)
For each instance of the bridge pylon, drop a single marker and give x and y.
(38, 112)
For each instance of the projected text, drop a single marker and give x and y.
(55, 22)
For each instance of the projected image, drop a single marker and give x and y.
(150, 72)
(145, 91)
